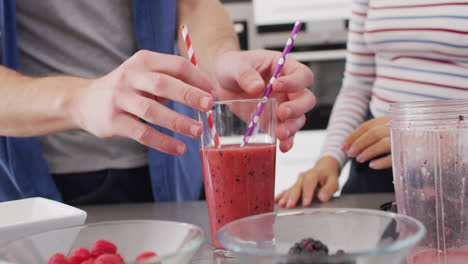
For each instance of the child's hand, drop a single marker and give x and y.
(324, 175)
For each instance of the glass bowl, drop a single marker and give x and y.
(173, 242)
(365, 236)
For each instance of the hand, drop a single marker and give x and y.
(324, 174)
(113, 104)
(369, 140)
(244, 74)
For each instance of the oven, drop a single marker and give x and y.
(321, 44)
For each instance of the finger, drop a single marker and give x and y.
(286, 145)
(248, 79)
(364, 127)
(279, 196)
(165, 86)
(128, 126)
(298, 104)
(175, 66)
(293, 194)
(381, 163)
(349, 140)
(156, 113)
(295, 76)
(368, 138)
(282, 202)
(328, 188)
(284, 199)
(289, 128)
(308, 187)
(380, 147)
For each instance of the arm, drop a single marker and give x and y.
(352, 103)
(36, 106)
(210, 28)
(110, 105)
(348, 113)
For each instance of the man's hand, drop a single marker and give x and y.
(369, 140)
(244, 74)
(113, 104)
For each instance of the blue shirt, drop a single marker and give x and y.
(23, 170)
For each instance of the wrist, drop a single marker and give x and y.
(217, 62)
(229, 45)
(218, 57)
(72, 102)
(329, 163)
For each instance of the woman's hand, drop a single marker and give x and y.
(369, 140)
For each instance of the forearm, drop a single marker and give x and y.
(210, 28)
(32, 106)
(352, 103)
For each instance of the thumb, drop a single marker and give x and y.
(249, 80)
(328, 189)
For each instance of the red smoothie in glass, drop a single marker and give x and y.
(239, 181)
(451, 256)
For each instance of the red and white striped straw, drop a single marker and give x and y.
(214, 135)
(191, 55)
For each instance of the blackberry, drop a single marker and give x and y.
(309, 246)
(339, 252)
(312, 247)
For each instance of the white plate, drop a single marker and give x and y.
(25, 217)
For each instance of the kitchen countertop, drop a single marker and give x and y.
(196, 213)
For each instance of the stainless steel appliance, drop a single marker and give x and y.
(321, 45)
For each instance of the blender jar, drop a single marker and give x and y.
(430, 169)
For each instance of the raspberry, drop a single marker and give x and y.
(103, 246)
(120, 257)
(146, 255)
(309, 246)
(109, 259)
(78, 255)
(88, 261)
(58, 258)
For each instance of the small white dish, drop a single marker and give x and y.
(25, 217)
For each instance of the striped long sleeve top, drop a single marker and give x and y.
(398, 51)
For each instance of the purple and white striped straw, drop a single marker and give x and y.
(267, 93)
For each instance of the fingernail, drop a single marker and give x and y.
(306, 201)
(372, 164)
(205, 102)
(290, 203)
(351, 152)
(323, 197)
(344, 146)
(257, 85)
(195, 130)
(180, 149)
(288, 133)
(281, 202)
(290, 145)
(359, 158)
